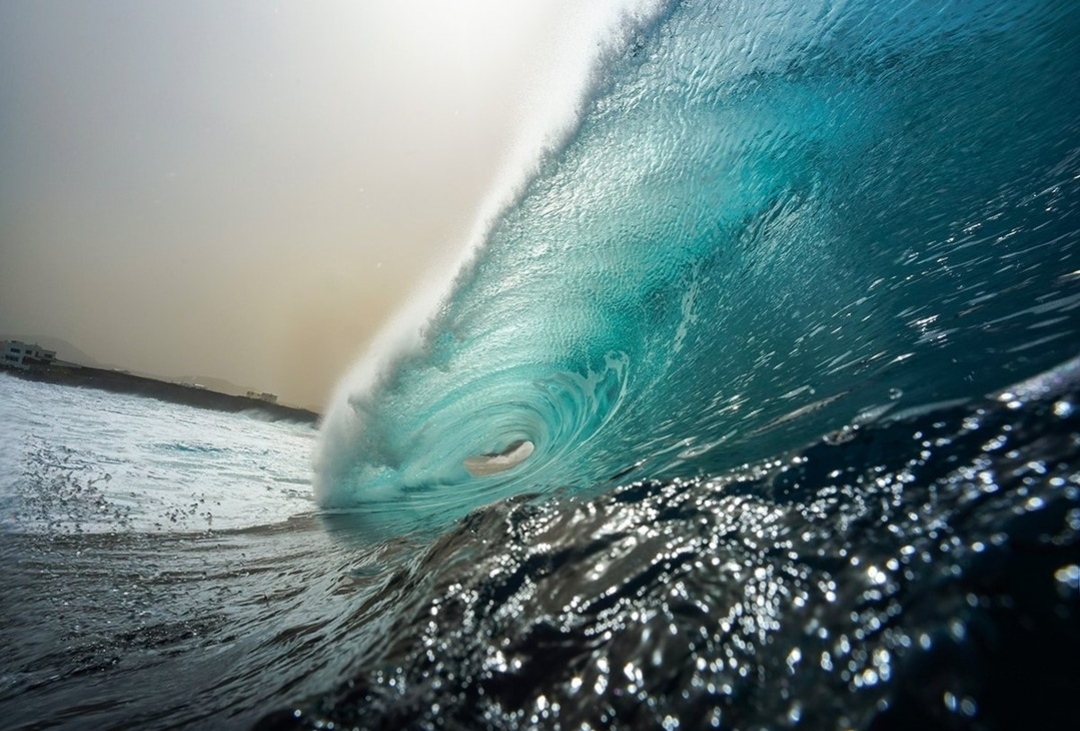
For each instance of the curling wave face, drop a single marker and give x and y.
(769, 220)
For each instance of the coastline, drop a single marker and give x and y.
(120, 382)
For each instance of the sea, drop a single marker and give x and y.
(755, 405)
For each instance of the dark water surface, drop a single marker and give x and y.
(918, 573)
(923, 573)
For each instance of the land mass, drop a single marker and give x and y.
(189, 395)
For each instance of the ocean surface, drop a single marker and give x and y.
(755, 406)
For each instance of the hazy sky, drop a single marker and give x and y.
(246, 189)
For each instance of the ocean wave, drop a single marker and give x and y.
(853, 199)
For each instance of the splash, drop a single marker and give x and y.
(765, 221)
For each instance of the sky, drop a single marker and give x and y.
(248, 189)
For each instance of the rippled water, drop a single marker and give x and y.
(920, 572)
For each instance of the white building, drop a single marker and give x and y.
(17, 354)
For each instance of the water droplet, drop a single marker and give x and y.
(1068, 579)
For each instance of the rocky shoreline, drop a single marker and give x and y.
(177, 393)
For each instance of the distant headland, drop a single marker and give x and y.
(31, 362)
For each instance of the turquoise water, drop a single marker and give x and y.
(769, 220)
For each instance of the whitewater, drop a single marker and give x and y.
(752, 405)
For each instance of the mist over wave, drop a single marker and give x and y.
(767, 220)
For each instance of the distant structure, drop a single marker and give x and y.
(270, 398)
(17, 354)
